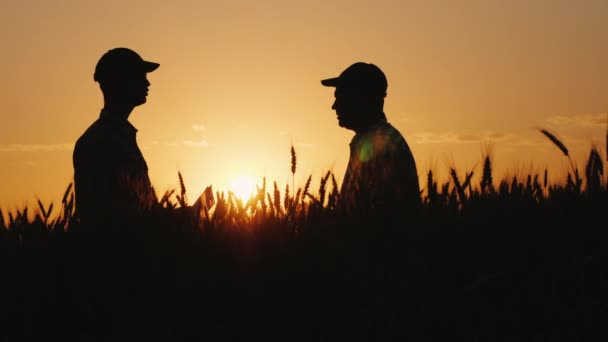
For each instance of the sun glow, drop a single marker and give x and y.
(243, 187)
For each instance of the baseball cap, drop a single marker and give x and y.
(120, 61)
(362, 76)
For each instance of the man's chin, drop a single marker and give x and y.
(140, 102)
(343, 124)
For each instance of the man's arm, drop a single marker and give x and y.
(102, 187)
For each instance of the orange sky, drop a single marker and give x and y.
(239, 81)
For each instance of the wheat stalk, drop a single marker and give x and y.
(293, 166)
(270, 206)
(467, 181)
(296, 200)
(486, 180)
(66, 193)
(429, 186)
(164, 201)
(323, 187)
(556, 141)
(334, 186)
(594, 171)
(286, 199)
(11, 220)
(2, 223)
(332, 200)
(457, 184)
(277, 199)
(306, 187)
(559, 145)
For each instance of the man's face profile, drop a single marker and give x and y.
(349, 106)
(130, 88)
(137, 88)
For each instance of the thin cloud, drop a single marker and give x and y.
(468, 138)
(498, 136)
(169, 143)
(458, 138)
(198, 127)
(197, 144)
(585, 120)
(36, 147)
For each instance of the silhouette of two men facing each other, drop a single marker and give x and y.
(112, 185)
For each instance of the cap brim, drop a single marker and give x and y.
(331, 82)
(150, 66)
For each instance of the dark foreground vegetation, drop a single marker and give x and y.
(519, 259)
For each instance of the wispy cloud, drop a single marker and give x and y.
(36, 147)
(198, 144)
(458, 138)
(584, 120)
(198, 127)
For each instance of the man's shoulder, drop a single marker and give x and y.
(93, 137)
(388, 133)
(394, 141)
(386, 128)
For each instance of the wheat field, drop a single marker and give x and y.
(483, 259)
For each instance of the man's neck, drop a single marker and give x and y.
(365, 126)
(118, 111)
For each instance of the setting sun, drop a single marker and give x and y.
(243, 187)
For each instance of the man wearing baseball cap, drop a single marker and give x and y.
(381, 174)
(110, 173)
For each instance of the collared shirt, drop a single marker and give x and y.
(110, 174)
(381, 172)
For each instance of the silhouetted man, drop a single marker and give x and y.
(381, 173)
(110, 173)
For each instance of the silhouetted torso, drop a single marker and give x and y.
(110, 173)
(381, 172)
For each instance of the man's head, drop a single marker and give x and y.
(121, 74)
(360, 92)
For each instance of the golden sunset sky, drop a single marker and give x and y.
(239, 81)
